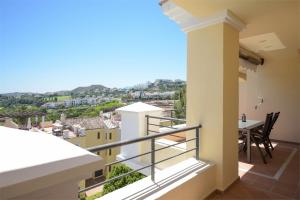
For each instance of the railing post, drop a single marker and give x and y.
(197, 144)
(153, 159)
(147, 121)
(171, 117)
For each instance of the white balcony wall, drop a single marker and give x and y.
(37, 165)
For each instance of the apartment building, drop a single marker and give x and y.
(98, 131)
(152, 95)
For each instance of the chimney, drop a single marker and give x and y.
(29, 123)
(43, 122)
(63, 118)
(134, 125)
(36, 120)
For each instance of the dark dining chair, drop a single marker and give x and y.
(276, 115)
(274, 119)
(262, 137)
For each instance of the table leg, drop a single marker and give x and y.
(248, 147)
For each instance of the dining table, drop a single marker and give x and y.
(246, 128)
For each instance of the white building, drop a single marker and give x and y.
(134, 126)
(52, 105)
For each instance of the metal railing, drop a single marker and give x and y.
(171, 119)
(153, 161)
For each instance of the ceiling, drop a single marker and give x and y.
(278, 17)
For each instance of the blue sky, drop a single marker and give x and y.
(51, 45)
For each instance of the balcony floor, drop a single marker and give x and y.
(279, 179)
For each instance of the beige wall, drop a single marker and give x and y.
(91, 139)
(114, 151)
(278, 82)
(79, 141)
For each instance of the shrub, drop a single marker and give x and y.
(121, 182)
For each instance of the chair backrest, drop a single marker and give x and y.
(267, 125)
(276, 115)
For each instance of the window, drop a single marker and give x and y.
(110, 136)
(98, 173)
(109, 168)
(109, 152)
(98, 135)
(98, 153)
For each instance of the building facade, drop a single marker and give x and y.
(98, 131)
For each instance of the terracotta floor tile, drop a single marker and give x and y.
(280, 154)
(248, 178)
(297, 194)
(285, 189)
(264, 183)
(255, 186)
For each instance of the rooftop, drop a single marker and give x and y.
(139, 107)
(88, 123)
(110, 124)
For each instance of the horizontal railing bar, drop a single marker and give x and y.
(168, 135)
(173, 135)
(112, 179)
(175, 144)
(166, 118)
(128, 173)
(153, 131)
(174, 156)
(163, 126)
(139, 139)
(116, 162)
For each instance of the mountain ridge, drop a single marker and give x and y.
(99, 88)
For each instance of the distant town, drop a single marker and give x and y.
(88, 101)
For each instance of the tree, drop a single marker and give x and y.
(180, 104)
(21, 120)
(121, 182)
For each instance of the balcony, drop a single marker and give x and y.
(257, 180)
(220, 87)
